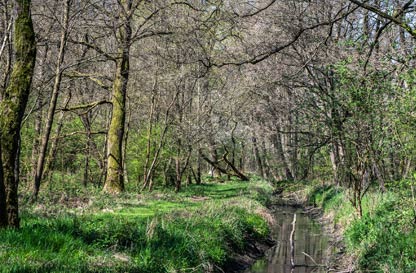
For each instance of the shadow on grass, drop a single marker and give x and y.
(91, 243)
(216, 191)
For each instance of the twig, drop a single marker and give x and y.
(309, 256)
(292, 242)
(6, 37)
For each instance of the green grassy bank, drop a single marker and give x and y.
(384, 238)
(194, 231)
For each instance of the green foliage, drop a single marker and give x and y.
(384, 239)
(69, 157)
(137, 148)
(402, 112)
(155, 232)
(331, 199)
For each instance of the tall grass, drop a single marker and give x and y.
(159, 232)
(384, 239)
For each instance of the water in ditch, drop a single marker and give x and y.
(311, 250)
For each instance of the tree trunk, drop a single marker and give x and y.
(335, 162)
(7, 43)
(87, 125)
(52, 104)
(126, 139)
(215, 172)
(38, 121)
(259, 163)
(280, 152)
(198, 176)
(242, 161)
(238, 173)
(180, 169)
(216, 165)
(149, 143)
(3, 206)
(266, 165)
(55, 141)
(13, 105)
(178, 181)
(114, 182)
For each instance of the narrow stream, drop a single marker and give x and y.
(310, 240)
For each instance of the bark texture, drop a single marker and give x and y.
(114, 177)
(12, 108)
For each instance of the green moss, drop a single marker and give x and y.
(13, 105)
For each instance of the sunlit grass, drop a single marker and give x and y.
(148, 232)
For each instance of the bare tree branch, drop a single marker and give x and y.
(395, 18)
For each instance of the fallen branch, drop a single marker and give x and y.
(292, 242)
(216, 165)
(310, 257)
(80, 133)
(237, 172)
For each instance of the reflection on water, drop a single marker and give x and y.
(309, 239)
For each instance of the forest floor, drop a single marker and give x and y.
(382, 240)
(201, 229)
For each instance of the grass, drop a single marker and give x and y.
(193, 231)
(384, 239)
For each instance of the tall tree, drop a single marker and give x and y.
(114, 182)
(12, 108)
(53, 101)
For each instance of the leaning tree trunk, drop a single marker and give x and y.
(13, 105)
(38, 121)
(52, 104)
(49, 164)
(114, 182)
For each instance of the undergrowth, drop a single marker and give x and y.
(384, 238)
(194, 231)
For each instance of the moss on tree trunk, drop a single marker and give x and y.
(13, 106)
(114, 178)
(3, 207)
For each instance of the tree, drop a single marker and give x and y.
(114, 182)
(397, 17)
(12, 108)
(53, 101)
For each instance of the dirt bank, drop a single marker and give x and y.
(254, 250)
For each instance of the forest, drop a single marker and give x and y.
(153, 135)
